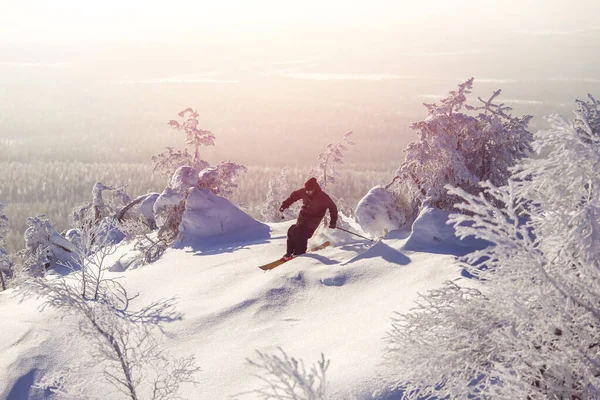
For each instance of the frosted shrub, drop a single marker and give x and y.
(462, 150)
(220, 179)
(286, 378)
(98, 208)
(122, 342)
(168, 161)
(531, 332)
(134, 226)
(44, 247)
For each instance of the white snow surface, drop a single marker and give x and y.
(337, 301)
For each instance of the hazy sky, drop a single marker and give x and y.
(89, 58)
(269, 21)
(43, 20)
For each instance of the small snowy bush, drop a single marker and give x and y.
(531, 331)
(220, 179)
(99, 208)
(379, 212)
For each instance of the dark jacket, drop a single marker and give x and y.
(313, 207)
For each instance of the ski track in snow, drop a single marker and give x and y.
(337, 301)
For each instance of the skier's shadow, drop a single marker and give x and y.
(322, 259)
(382, 250)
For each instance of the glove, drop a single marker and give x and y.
(332, 226)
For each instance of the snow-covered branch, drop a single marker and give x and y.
(285, 377)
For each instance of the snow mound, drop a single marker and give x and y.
(208, 215)
(184, 178)
(378, 212)
(431, 233)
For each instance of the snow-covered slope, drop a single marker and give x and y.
(338, 301)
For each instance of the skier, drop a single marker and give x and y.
(314, 204)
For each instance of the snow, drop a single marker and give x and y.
(184, 178)
(147, 208)
(207, 215)
(378, 212)
(337, 301)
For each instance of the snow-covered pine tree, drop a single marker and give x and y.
(195, 137)
(278, 192)
(461, 150)
(333, 155)
(220, 179)
(5, 261)
(531, 331)
(167, 162)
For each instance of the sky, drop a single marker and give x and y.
(267, 22)
(65, 57)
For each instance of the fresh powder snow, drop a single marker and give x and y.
(338, 301)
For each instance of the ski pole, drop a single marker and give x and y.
(355, 234)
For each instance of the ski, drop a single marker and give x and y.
(277, 263)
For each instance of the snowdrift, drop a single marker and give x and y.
(209, 219)
(338, 301)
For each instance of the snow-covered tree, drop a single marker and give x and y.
(285, 377)
(220, 179)
(186, 172)
(530, 330)
(99, 208)
(333, 155)
(458, 149)
(168, 161)
(5, 261)
(44, 247)
(278, 192)
(195, 137)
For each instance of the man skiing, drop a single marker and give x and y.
(315, 203)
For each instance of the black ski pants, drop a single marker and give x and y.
(297, 237)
